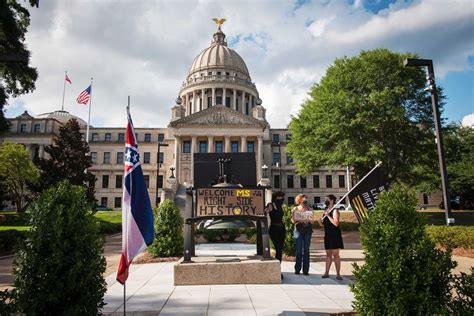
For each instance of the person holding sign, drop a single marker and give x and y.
(302, 216)
(332, 236)
(277, 227)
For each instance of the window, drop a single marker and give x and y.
(209, 73)
(120, 157)
(425, 198)
(219, 147)
(276, 158)
(289, 159)
(218, 73)
(146, 157)
(118, 202)
(250, 147)
(329, 181)
(302, 182)
(289, 181)
(106, 157)
(161, 137)
(23, 128)
(118, 181)
(103, 201)
(291, 200)
(288, 137)
(147, 137)
(234, 146)
(161, 157)
(121, 137)
(37, 128)
(316, 181)
(186, 147)
(276, 138)
(105, 182)
(317, 199)
(108, 137)
(237, 105)
(209, 102)
(218, 99)
(94, 157)
(95, 137)
(203, 146)
(342, 181)
(147, 181)
(247, 108)
(227, 102)
(276, 181)
(227, 73)
(160, 182)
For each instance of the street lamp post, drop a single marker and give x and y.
(160, 144)
(415, 62)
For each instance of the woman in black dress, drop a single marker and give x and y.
(332, 236)
(277, 227)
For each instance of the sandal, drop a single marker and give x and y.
(325, 276)
(339, 278)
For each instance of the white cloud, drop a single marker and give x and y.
(144, 48)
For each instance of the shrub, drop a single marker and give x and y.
(233, 234)
(249, 232)
(211, 235)
(452, 236)
(289, 246)
(168, 231)
(59, 268)
(404, 273)
(462, 302)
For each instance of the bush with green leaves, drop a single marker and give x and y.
(452, 236)
(404, 273)
(168, 231)
(59, 268)
(462, 302)
(289, 245)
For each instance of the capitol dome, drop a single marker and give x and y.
(219, 56)
(62, 116)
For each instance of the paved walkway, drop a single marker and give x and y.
(150, 292)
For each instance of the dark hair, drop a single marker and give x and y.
(276, 195)
(332, 198)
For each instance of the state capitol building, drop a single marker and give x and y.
(218, 110)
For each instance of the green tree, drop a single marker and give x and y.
(69, 159)
(17, 77)
(366, 109)
(459, 144)
(168, 230)
(59, 269)
(289, 245)
(17, 172)
(404, 273)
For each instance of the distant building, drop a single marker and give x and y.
(218, 109)
(468, 120)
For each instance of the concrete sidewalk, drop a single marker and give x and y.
(150, 291)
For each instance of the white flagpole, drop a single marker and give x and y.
(64, 90)
(345, 195)
(123, 232)
(89, 118)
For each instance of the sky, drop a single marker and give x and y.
(145, 48)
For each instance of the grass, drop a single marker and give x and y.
(437, 217)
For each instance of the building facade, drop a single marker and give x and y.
(218, 109)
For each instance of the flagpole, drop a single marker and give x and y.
(64, 89)
(345, 195)
(89, 118)
(123, 231)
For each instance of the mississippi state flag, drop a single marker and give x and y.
(137, 215)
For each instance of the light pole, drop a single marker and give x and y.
(415, 62)
(160, 144)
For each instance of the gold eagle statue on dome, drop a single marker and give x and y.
(219, 22)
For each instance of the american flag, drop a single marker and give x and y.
(84, 96)
(67, 79)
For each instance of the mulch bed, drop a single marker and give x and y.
(148, 258)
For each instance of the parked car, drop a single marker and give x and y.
(103, 208)
(319, 206)
(340, 206)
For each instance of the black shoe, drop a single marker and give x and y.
(306, 273)
(282, 276)
(297, 272)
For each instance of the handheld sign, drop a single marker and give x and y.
(230, 202)
(303, 216)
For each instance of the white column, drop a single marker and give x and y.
(243, 144)
(210, 143)
(187, 104)
(193, 150)
(227, 144)
(259, 157)
(243, 102)
(223, 96)
(194, 109)
(234, 103)
(203, 99)
(213, 97)
(177, 151)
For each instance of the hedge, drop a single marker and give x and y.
(452, 236)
